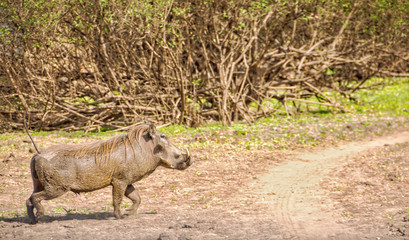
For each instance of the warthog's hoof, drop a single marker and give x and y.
(131, 211)
(130, 214)
(119, 216)
(32, 222)
(35, 221)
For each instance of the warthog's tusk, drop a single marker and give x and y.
(187, 154)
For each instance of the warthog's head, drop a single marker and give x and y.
(169, 155)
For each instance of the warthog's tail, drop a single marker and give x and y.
(28, 133)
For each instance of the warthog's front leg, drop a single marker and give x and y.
(133, 194)
(118, 191)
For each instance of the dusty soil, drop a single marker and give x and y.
(317, 195)
(372, 190)
(351, 191)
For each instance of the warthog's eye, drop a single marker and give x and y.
(162, 135)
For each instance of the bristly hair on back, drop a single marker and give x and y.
(102, 150)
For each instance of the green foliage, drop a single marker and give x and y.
(85, 99)
(218, 48)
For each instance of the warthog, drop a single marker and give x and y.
(119, 161)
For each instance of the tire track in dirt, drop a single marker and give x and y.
(302, 208)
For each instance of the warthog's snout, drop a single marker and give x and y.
(188, 160)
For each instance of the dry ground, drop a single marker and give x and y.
(343, 192)
(317, 193)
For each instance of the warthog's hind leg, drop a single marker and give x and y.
(30, 210)
(37, 197)
(133, 194)
(38, 187)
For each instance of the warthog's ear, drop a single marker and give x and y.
(151, 130)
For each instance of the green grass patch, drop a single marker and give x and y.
(391, 99)
(175, 129)
(382, 96)
(9, 136)
(376, 109)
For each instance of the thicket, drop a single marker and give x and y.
(95, 64)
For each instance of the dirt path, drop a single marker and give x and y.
(300, 205)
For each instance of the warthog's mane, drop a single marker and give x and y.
(102, 150)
